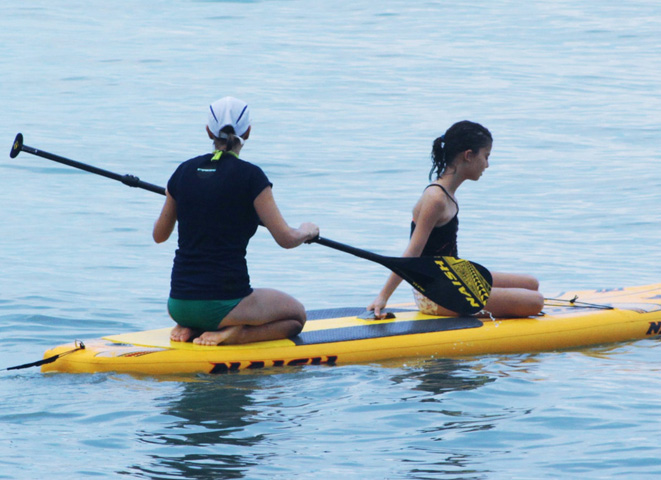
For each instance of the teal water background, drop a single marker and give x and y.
(346, 99)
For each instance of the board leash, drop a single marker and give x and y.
(573, 302)
(78, 344)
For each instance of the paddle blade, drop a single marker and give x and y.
(456, 284)
(16, 146)
(453, 283)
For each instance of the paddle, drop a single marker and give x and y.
(458, 285)
(130, 180)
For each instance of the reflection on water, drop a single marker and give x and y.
(209, 437)
(447, 375)
(228, 427)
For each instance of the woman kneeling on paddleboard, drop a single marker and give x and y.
(218, 201)
(462, 153)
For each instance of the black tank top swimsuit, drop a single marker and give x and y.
(442, 240)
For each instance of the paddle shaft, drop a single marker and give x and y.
(130, 180)
(404, 267)
(380, 259)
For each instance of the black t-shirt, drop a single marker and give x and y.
(216, 218)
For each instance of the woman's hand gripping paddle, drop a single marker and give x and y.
(458, 285)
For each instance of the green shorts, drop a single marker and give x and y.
(200, 314)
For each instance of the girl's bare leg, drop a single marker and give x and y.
(512, 295)
(514, 280)
(514, 302)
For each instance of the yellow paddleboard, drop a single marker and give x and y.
(339, 336)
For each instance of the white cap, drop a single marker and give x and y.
(229, 111)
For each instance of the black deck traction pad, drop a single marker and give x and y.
(378, 330)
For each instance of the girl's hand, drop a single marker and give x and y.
(378, 305)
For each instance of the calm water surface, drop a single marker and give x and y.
(346, 98)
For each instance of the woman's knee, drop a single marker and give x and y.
(287, 306)
(299, 313)
(293, 313)
(268, 305)
(297, 327)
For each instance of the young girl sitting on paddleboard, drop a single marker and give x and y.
(218, 201)
(462, 153)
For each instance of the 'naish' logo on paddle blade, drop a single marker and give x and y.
(469, 282)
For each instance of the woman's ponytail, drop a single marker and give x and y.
(227, 139)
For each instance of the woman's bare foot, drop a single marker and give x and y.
(181, 334)
(227, 335)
